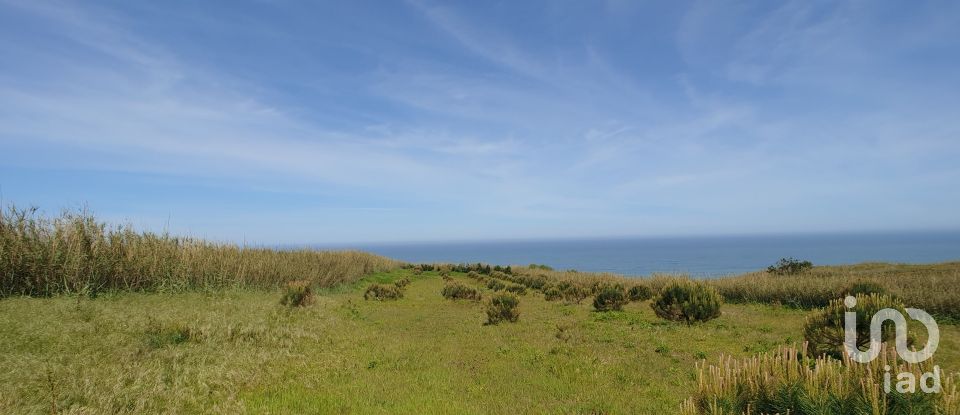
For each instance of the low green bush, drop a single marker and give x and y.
(540, 267)
(516, 289)
(552, 294)
(382, 292)
(532, 282)
(574, 293)
(789, 266)
(502, 307)
(610, 298)
(640, 293)
(402, 282)
(687, 301)
(458, 291)
(825, 330)
(495, 284)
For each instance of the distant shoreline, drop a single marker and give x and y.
(700, 257)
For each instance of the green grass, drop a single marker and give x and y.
(240, 351)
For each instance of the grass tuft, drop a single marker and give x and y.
(297, 294)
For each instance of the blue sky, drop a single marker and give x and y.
(342, 122)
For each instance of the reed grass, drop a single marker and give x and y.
(788, 381)
(935, 288)
(76, 253)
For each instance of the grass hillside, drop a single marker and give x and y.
(97, 319)
(240, 351)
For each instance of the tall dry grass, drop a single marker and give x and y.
(934, 288)
(76, 253)
(790, 382)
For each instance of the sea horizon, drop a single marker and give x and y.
(704, 256)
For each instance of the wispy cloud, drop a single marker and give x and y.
(533, 127)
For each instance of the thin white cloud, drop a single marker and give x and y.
(525, 140)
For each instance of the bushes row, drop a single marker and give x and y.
(679, 300)
(498, 285)
(462, 268)
(500, 307)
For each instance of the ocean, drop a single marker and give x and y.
(701, 257)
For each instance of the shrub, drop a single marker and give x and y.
(789, 266)
(516, 289)
(382, 292)
(824, 331)
(552, 294)
(640, 293)
(502, 307)
(402, 282)
(535, 282)
(865, 287)
(417, 270)
(540, 267)
(610, 298)
(495, 284)
(458, 291)
(687, 301)
(789, 382)
(297, 294)
(575, 293)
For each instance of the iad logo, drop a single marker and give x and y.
(906, 381)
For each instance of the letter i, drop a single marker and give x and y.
(886, 378)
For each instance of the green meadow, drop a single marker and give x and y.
(97, 319)
(240, 351)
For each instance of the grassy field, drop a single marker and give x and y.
(240, 351)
